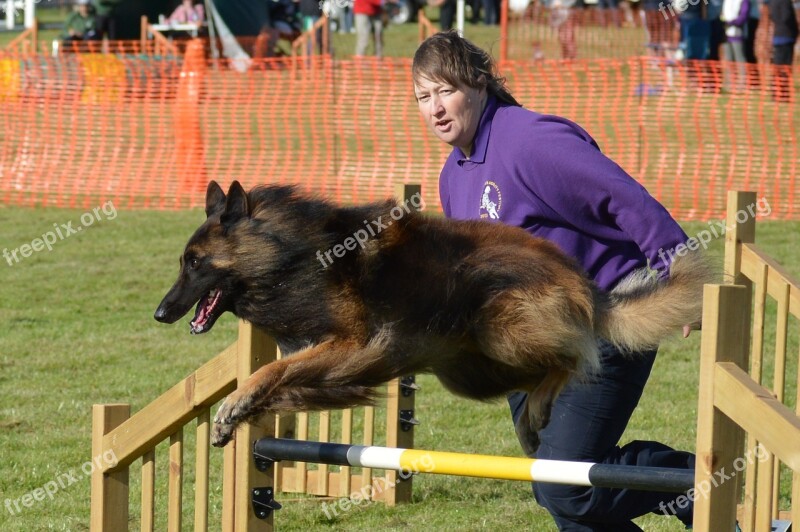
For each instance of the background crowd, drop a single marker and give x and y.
(676, 29)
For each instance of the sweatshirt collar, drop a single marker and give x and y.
(481, 142)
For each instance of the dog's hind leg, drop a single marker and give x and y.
(536, 411)
(331, 375)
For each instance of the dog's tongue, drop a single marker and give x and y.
(203, 311)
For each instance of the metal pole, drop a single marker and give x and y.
(410, 461)
(460, 17)
(30, 13)
(10, 14)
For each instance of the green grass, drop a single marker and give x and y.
(78, 330)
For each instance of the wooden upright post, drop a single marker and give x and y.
(720, 441)
(143, 23)
(109, 507)
(255, 350)
(741, 229)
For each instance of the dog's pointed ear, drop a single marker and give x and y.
(235, 205)
(215, 199)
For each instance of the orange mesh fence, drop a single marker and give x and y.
(534, 30)
(541, 32)
(149, 133)
(687, 131)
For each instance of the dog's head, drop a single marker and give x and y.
(207, 276)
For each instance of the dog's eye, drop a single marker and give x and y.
(193, 263)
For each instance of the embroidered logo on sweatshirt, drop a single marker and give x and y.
(491, 201)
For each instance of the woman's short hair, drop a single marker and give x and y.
(449, 57)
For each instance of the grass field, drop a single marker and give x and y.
(79, 330)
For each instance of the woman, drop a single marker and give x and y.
(79, 25)
(784, 20)
(547, 175)
(369, 21)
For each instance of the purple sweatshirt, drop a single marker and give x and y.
(547, 175)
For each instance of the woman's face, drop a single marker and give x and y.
(453, 113)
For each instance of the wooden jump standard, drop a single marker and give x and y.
(268, 450)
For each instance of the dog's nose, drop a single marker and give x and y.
(161, 314)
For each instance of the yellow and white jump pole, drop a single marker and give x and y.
(413, 461)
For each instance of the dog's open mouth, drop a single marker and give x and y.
(204, 315)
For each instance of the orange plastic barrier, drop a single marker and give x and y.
(535, 30)
(157, 129)
(539, 32)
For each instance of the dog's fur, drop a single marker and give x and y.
(485, 307)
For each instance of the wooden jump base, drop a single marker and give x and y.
(410, 461)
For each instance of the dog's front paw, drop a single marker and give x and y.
(225, 412)
(221, 434)
(234, 409)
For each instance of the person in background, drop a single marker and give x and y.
(695, 32)
(80, 24)
(784, 18)
(753, 19)
(105, 23)
(311, 11)
(491, 12)
(547, 175)
(281, 21)
(734, 15)
(609, 13)
(369, 21)
(342, 12)
(188, 13)
(717, 28)
(564, 15)
(660, 26)
(475, 6)
(447, 12)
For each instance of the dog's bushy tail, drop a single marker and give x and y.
(643, 310)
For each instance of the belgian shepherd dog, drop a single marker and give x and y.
(487, 308)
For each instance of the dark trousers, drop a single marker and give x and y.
(491, 12)
(782, 58)
(105, 25)
(717, 38)
(447, 14)
(783, 54)
(750, 40)
(476, 10)
(586, 424)
(753, 78)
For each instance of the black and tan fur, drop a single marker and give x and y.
(485, 307)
